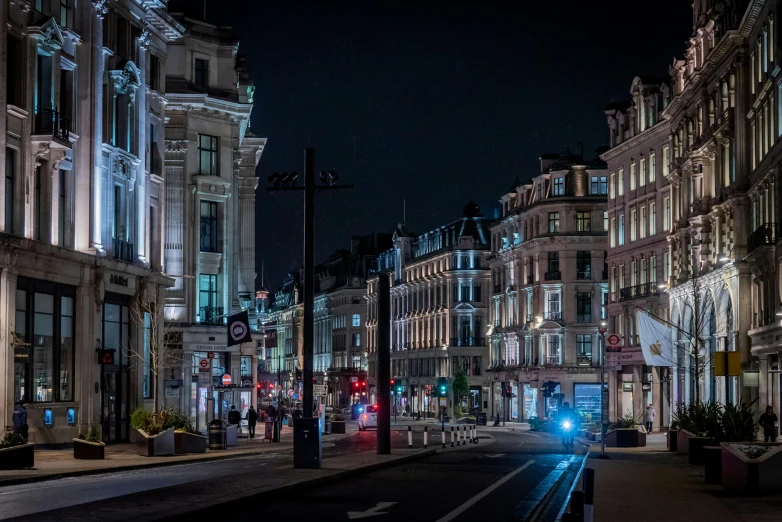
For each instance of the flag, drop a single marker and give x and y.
(656, 341)
(239, 329)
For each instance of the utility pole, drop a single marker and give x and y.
(306, 447)
(384, 365)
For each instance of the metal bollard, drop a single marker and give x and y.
(452, 436)
(409, 437)
(577, 505)
(443, 432)
(589, 494)
(426, 437)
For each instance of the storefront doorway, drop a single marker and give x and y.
(115, 394)
(530, 404)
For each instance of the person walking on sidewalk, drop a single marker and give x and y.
(651, 413)
(252, 420)
(768, 421)
(234, 417)
(20, 420)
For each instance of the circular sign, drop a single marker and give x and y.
(279, 387)
(247, 383)
(210, 355)
(204, 363)
(226, 380)
(613, 339)
(290, 393)
(238, 330)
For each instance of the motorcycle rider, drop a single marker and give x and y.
(567, 423)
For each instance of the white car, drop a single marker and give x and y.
(368, 419)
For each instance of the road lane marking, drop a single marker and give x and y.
(372, 511)
(526, 508)
(464, 507)
(495, 455)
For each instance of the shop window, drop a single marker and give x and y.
(587, 400)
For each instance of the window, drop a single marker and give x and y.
(14, 94)
(455, 296)
(10, 171)
(583, 264)
(642, 224)
(584, 349)
(612, 188)
(40, 220)
(465, 292)
(603, 185)
(612, 234)
(583, 221)
(666, 266)
(559, 186)
(633, 224)
(552, 303)
(62, 203)
(476, 365)
(207, 155)
(666, 161)
(553, 262)
(147, 357)
(594, 187)
(356, 340)
(653, 269)
(666, 214)
(201, 72)
(605, 221)
(621, 182)
(553, 222)
(643, 272)
(652, 218)
(553, 349)
(604, 302)
(209, 226)
(621, 229)
(583, 307)
(154, 72)
(476, 292)
(652, 167)
(207, 296)
(632, 176)
(642, 173)
(356, 320)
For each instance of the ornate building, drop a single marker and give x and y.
(210, 162)
(439, 301)
(549, 284)
(81, 241)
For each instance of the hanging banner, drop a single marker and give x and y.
(656, 343)
(239, 329)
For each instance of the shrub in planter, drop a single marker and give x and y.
(16, 452)
(155, 440)
(89, 445)
(338, 426)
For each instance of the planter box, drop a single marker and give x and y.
(83, 449)
(338, 427)
(626, 438)
(231, 434)
(160, 445)
(695, 449)
(189, 443)
(18, 457)
(683, 441)
(712, 458)
(673, 438)
(465, 420)
(760, 475)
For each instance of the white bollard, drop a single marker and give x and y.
(452, 436)
(410, 437)
(426, 437)
(443, 432)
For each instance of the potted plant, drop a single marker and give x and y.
(154, 440)
(89, 445)
(736, 426)
(699, 425)
(16, 452)
(624, 433)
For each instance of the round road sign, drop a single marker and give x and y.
(226, 380)
(613, 339)
(290, 393)
(203, 363)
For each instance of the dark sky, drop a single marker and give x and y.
(431, 103)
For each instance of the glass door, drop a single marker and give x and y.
(109, 401)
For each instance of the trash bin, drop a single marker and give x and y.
(217, 435)
(327, 427)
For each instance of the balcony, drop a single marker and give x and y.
(763, 236)
(584, 359)
(587, 274)
(213, 315)
(552, 316)
(468, 341)
(637, 291)
(123, 250)
(553, 276)
(49, 122)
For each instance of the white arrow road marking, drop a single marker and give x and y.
(371, 512)
(464, 507)
(495, 455)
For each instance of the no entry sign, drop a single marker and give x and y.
(226, 380)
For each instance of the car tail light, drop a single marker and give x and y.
(365, 417)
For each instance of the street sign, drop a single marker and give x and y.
(319, 390)
(354, 379)
(204, 379)
(279, 387)
(210, 355)
(613, 340)
(226, 380)
(204, 365)
(443, 402)
(290, 393)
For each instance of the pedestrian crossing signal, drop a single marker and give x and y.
(106, 357)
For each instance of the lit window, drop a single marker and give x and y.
(356, 319)
(621, 182)
(559, 186)
(583, 221)
(652, 167)
(553, 222)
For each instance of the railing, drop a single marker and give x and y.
(123, 250)
(51, 122)
(346, 369)
(765, 234)
(584, 359)
(213, 315)
(468, 341)
(634, 292)
(553, 276)
(552, 316)
(587, 274)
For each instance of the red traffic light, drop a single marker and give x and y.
(259, 386)
(271, 386)
(392, 381)
(363, 384)
(355, 384)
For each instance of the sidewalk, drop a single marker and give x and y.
(650, 484)
(53, 464)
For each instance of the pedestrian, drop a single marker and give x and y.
(651, 413)
(281, 412)
(271, 411)
(252, 420)
(769, 421)
(20, 420)
(396, 411)
(234, 417)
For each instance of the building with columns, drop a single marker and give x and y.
(549, 284)
(439, 300)
(210, 161)
(81, 240)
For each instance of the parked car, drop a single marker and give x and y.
(368, 419)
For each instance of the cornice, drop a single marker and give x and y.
(636, 140)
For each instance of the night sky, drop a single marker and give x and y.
(431, 103)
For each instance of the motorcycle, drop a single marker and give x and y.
(566, 427)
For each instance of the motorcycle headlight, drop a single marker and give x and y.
(566, 425)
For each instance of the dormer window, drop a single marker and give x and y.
(559, 186)
(201, 72)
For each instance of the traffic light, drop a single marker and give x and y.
(271, 386)
(258, 386)
(508, 390)
(392, 386)
(298, 375)
(442, 387)
(399, 389)
(549, 387)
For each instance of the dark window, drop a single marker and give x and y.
(207, 291)
(476, 293)
(465, 293)
(208, 226)
(476, 365)
(62, 222)
(583, 265)
(583, 307)
(553, 222)
(207, 155)
(64, 13)
(201, 72)
(10, 171)
(455, 293)
(559, 186)
(584, 350)
(553, 262)
(583, 221)
(154, 72)
(14, 74)
(594, 186)
(38, 202)
(66, 93)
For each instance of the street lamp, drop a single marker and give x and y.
(603, 328)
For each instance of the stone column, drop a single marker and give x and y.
(98, 66)
(8, 319)
(141, 148)
(764, 383)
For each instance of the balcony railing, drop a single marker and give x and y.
(52, 122)
(587, 274)
(553, 276)
(634, 292)
(552, 316)
(468, 341)
(213, 315)
(765, 234)
(123, 250)
(584, 359)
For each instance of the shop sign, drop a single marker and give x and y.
(627, 387)
(120, 281)
(646, 386)
(21, 354)
(210, 348)
(172, 393)
(247, 382)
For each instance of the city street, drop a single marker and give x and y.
(498, 478)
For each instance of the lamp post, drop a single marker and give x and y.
(603, 391)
